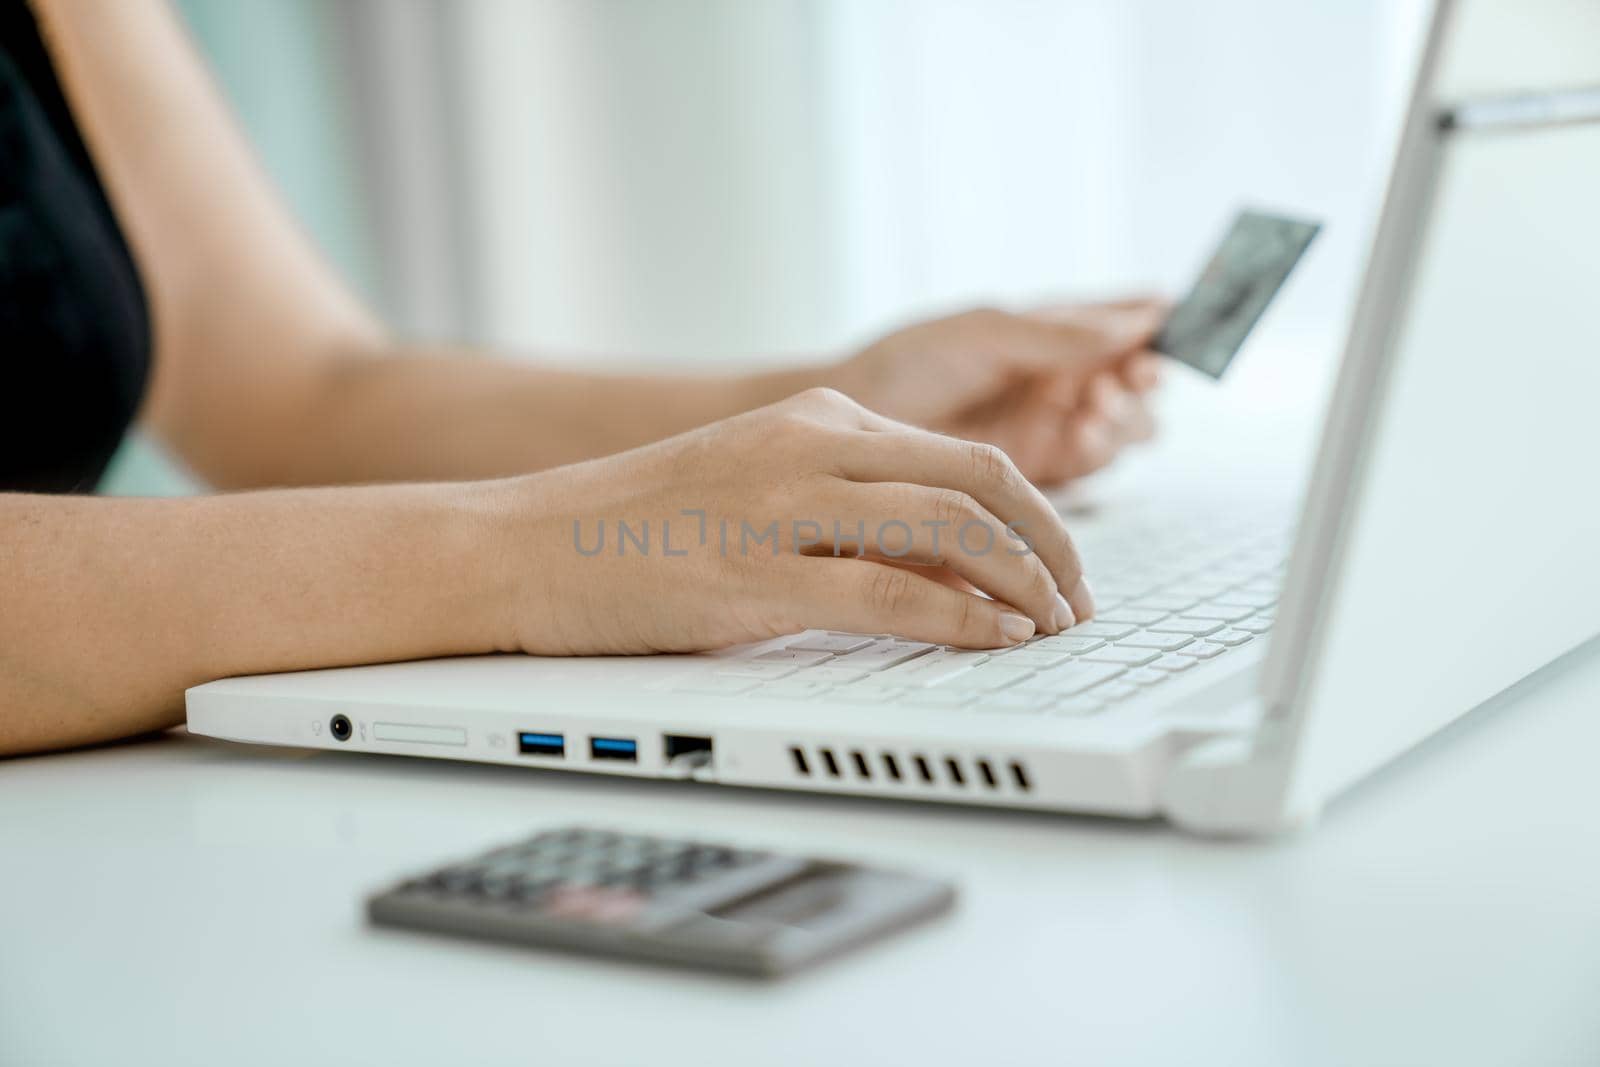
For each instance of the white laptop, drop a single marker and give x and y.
(1248, 663)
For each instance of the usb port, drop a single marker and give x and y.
(619, 748)
(538, 744)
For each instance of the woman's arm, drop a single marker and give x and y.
(434, 414)
(112, 607)
(269, 372)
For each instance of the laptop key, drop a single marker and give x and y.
(1108, 630)
(1077, 645)
(1239, 598)
(797, 657)
(717, 685)
(1038, 659)
(1012, 700)
(1203, 650)
(1127, 657)
(831, 643)
(938, 698)
(1112, 692)
(734, 668)
(1219, 614)
(833, 675)
(882, 655)
(1074, 677)
(1254, 625)
(1131, 616)
(1165, 603)
(931, 669)
(990, 676)
(1159, 642)
(1146, 676)
(869, 695)
(1174, 663)
(1200, 590)
(799, 688)
(1187, 624)
(1119, 588)
(1075, 707)
(1233, 637)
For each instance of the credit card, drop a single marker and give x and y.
(1207, 329)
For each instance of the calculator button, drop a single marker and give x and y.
(530, 889)
(456, 880)
(592, 904)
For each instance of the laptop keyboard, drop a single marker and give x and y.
(1169, 604)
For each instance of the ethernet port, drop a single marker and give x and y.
(692, 749)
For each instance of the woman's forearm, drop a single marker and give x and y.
(111, 608)
(407, 414)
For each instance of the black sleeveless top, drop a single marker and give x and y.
(74, 328)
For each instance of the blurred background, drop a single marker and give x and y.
(692, 182)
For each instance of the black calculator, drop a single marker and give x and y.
(691, 903)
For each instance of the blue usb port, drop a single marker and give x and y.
(537, 744)
(618, 748)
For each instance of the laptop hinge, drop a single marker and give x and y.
(1233, 785)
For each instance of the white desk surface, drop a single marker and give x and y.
(183, 901)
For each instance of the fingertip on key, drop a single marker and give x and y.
(1083, 597)
(1015, 628)
(1065, 619)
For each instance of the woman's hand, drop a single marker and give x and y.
(606, 556)
(1062, 391)
(810, 513)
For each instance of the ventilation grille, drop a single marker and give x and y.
(907, 769)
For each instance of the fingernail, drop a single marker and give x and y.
(1065, 619)
(1083, 595)
(1016, 628)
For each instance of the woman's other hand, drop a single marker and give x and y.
(1061, 390)
(810, 513)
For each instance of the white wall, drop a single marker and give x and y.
(711, 178)
(644, 176)
(687, 181)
